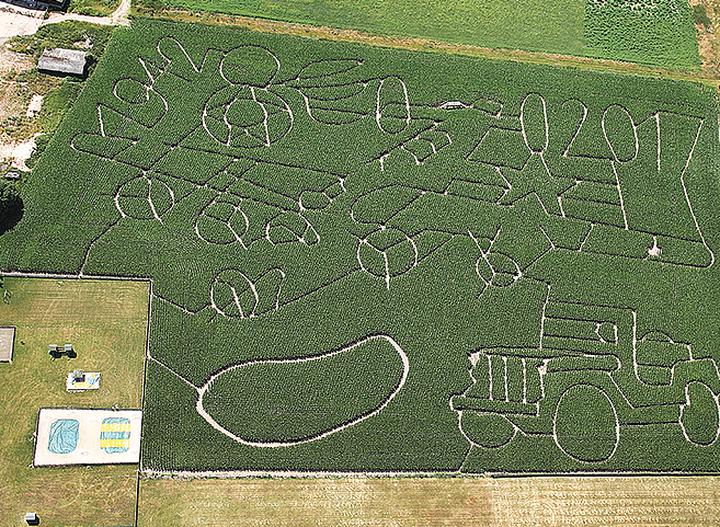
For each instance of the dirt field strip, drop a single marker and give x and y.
(431, 502)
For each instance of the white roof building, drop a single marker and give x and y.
(63, 61)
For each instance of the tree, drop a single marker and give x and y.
(11, 206)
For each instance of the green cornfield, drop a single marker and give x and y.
(373, 260)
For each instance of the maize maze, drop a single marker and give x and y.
(367, 260)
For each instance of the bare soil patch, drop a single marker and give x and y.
(708, 42)
(16, 146)
(11, 64)
(16, 21)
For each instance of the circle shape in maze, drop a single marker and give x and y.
(233, 295)
(700, 415)
(585, 424)
(246, 117)
(144, 198)
(486, 430)
(387, 253)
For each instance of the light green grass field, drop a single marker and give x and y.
(659, 33)
(107, 323)
(93, 7)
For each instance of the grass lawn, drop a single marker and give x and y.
(660, 34)
(93, 7)
(430, 502)
(550, 25)
(107, 323)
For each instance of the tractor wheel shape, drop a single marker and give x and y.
(486, 430)
(700, 415)
(585, 424)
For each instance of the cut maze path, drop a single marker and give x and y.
(321, 193)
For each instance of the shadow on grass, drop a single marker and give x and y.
(10, 214)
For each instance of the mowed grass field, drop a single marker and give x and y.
(551, 502)
(660, 33)
(107, 324)
(552, 25)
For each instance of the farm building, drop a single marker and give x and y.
(40, 5)
(61, 61)
(51, 4)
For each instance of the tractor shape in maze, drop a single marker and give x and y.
(589, 361)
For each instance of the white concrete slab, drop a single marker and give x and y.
(87, 437)
(35, 106)
(7, 341)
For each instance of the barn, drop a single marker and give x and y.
(62, 61)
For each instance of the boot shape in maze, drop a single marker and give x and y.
(651, 162)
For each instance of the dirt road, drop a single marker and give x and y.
(16, 20)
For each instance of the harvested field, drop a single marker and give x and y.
(429, 502)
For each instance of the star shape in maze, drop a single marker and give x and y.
(535, 178)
